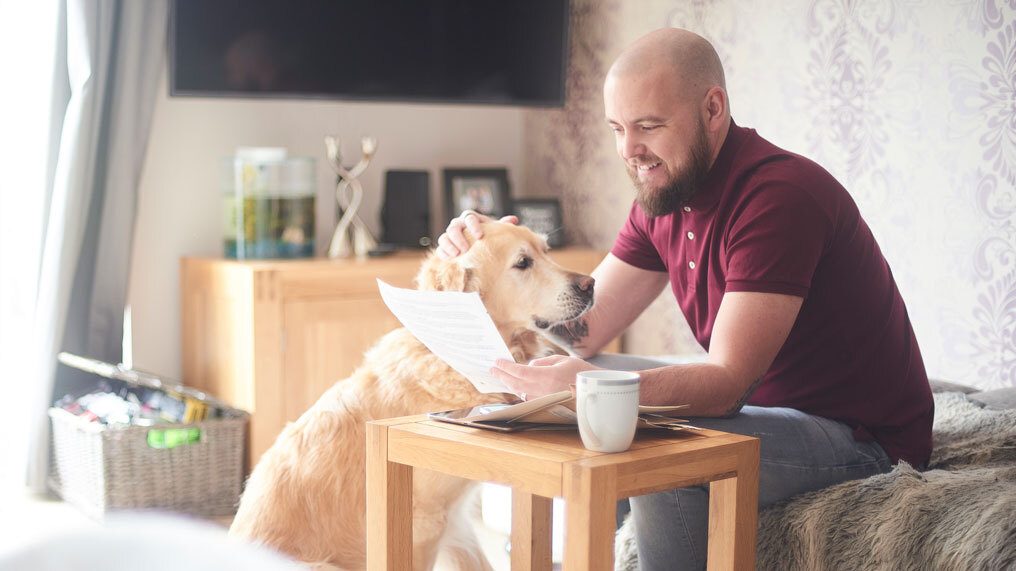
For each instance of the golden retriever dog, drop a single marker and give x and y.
(305, 497)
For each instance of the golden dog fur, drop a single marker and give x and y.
(305, 497)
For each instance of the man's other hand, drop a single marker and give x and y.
(541, 376)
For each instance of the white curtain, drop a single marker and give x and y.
(105, 71)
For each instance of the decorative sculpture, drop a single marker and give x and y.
(351, 236)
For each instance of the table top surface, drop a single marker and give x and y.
(558, 445)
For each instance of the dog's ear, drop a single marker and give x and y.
(446, 275)
(438, 274)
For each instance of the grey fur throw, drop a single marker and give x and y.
(960, 514)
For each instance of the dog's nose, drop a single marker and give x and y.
(585, 283)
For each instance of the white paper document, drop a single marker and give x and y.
(456, 327)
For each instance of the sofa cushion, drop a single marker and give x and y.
(997, 399)
(940, 386)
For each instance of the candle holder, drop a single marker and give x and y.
(351, 236)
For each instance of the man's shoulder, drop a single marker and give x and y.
(770, 172)
(773, 182)
(762, 158)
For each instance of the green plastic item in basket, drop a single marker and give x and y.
(173, 437)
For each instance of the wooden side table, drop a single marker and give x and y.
(541, 465)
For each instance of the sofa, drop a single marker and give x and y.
(958, 514)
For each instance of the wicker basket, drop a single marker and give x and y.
(101, 468)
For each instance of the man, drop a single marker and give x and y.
(779, 278)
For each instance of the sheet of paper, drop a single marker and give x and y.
(559, 408)
(523, 410)
(454, 326)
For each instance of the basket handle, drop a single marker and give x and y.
(167, 438)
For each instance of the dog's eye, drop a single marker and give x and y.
(524, 263)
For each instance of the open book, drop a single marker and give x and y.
(556, 408)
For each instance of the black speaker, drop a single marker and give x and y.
(405, 214)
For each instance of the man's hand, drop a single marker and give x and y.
(453, 241)
(541, 376)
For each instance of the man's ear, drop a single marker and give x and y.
(714, 108)
(446, 275)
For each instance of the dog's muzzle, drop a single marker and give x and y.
(576, 301)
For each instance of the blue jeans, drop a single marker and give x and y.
(799, 453)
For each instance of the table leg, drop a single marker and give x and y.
(532, 521)
(590, 497)
(733, 515)
(389, 506)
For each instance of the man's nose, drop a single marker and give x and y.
(631, 147)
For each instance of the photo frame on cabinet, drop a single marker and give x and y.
(543, 216)
(482, 190)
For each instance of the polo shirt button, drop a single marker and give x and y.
(691, 265)
(691, 236)
(687, 208)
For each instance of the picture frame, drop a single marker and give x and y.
(543, 216)
(482, 190)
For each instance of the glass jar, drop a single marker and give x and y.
(269, 204)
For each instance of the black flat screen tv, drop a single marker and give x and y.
(500, 52)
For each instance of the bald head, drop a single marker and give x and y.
(686, 56)
(665, 100)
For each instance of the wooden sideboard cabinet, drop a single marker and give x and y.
(270, 336)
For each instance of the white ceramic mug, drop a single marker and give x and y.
(607, 406)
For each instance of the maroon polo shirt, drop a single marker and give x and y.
(767, 220)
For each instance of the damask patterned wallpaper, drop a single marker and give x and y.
(911, 104)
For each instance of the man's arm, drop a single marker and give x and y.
(621, 293)
(749, 331)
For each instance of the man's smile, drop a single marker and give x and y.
(647, 170)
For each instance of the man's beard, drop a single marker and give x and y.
(679, 190)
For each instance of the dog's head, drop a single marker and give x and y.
(518, 282)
